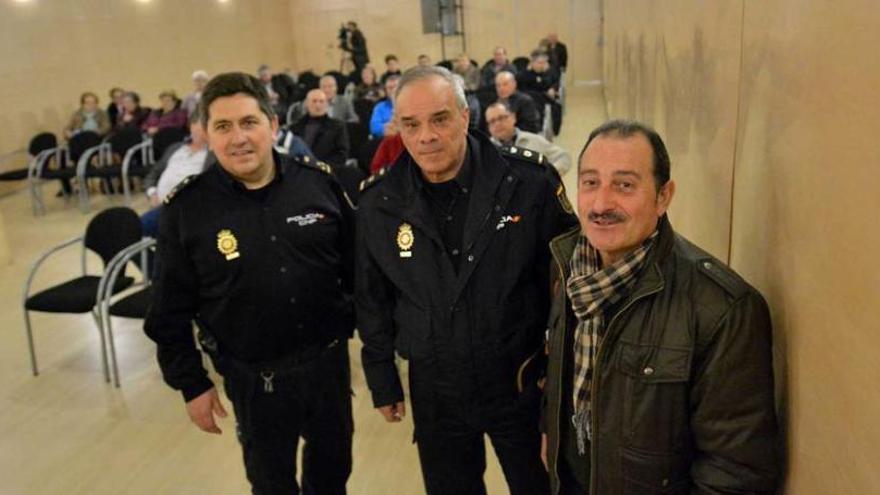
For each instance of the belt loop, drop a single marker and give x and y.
(267, 377)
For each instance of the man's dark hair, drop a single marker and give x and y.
(389, 58)
(136, 98)
(627, 128)
(233, 83)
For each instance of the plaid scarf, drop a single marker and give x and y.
(591, 289)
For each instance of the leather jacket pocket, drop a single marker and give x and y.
(655, 402)
(648, 473)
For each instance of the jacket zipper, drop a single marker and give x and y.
(594, 421)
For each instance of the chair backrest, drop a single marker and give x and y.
(42, 142)
(521, 64)
(112, 230)
(165, 138)
(123, 139)
(82, 141)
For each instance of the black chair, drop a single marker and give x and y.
(39, 143)
(165, 138)
(521, 64)
(81, 144)
(133, 302)
(92, 158)
(132, 151)
(108, 233)
(364, 110)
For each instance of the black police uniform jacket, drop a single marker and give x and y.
(264, 278)
(465, 334)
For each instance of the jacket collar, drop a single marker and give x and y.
(230, 182)
(562, 248)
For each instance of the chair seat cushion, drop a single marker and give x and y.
(74, 296)
(133, 305)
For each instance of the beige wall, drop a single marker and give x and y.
(769, 109)
(395, 26)
(51, 51)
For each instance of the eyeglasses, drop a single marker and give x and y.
(500, 118)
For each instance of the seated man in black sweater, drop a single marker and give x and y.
(326, 136)
(527, 116)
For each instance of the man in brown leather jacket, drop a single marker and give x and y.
(660, 375)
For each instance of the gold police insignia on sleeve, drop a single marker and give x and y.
(405, 239)
(227, 244)
(563, 199)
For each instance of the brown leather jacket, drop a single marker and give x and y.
(683, 386)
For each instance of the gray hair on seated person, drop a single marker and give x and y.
(418, 73)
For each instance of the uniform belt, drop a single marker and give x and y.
(270, 371)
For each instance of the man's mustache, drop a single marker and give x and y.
(606, 216)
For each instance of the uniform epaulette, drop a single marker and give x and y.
(318, 164)
(186, 182)
(373, 179)
(523, 153)
(722, 276)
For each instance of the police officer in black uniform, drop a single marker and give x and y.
(258, 251)
(452, 273)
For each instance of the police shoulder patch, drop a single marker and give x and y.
(373, 179)
(316, 164)
(524, 154)
(186, 182)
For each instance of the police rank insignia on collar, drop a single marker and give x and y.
(189, 179)
(227, 244)
(529, 155)
(405, 240)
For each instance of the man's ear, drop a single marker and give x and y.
(664, 197)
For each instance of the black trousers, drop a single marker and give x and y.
(450, 440)
(275, 407)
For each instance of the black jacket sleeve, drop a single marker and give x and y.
(174, 305)
(374, 296)
(735, 433)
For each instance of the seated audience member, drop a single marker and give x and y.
(392, 68)
(279, 87)
(498, 64)
(324, 135)
(502, 127)
(88, 117)
(542, 83)
(369, 88)
(468, 72)
(558, 52)
(386, 154)
(115, 108)
(473, 104)
(527, 116)
(133, 115)
(383, 112)
(339, 106)
(191, 101)
(169, 114)
(424, 60)
(290, 144)
(178, 162)
(540, 77)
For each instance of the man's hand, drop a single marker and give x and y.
(544, 450)
(202, 409)
(393, 413)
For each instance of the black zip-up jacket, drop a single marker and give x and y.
(465, 333)
(682, 394)
(265, 276)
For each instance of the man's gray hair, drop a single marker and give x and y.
(418, 73)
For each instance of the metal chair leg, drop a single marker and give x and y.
(110, 343)
(103, 346)
(30, 340)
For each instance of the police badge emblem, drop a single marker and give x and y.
(227, 244)
(405, 239)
